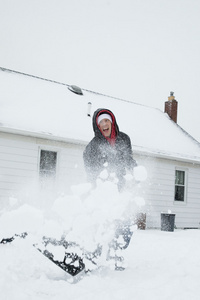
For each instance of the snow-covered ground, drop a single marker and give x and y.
(160, 265)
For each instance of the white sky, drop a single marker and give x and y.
(138, 50)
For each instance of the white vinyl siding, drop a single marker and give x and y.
(158, 192)
(20, 165)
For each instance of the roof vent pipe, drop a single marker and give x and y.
(89, 109)
(75, 89)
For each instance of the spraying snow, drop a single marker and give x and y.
(84, 215)
(88, 216)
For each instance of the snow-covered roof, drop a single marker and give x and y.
(42, 108)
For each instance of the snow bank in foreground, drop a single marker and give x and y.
(161, 265)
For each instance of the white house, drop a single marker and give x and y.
(45, 125)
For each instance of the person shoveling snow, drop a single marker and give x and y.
(92, 227)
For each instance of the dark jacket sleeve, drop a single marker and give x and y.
(126, 152)
(130, 161)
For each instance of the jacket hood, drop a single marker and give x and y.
(96, 114)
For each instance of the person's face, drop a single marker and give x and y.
(105, 127)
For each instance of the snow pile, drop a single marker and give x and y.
(87, 216)
(161, 265)
(21, 219)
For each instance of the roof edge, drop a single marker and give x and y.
(41, 135)
(172, 156)
(136, 149)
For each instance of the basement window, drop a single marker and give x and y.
(48, 162)
(180, 186)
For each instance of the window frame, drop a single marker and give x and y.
(179, 202)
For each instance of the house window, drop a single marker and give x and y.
(180, 185)
(48, 161)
